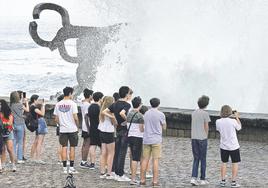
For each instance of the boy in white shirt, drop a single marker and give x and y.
(66, 116)
(85, 129)
(228, 142)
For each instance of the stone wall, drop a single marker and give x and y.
(254, 126)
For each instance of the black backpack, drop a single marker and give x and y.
(31, 122)
(69, 182)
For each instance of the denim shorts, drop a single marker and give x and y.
(11, 136)
(42, 127)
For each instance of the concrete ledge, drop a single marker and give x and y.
(254, 126)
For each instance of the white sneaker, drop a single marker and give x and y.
(234, 184)
(194, 182)
(116, 177)
(109, 177)
(72, 170)
(204, 182)
(65, 170)
(149, 175)
(20, 161)
(134, 182)
(123, 178)
(14, 169)
(103, 176)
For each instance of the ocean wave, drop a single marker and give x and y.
(16, 45)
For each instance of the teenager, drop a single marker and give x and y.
(135, 123)
(148, 170)
(199, 136)
(154, 122)
(7, 133)
(120, 110)
(85, 129)
(1, 146)
(106, 127)
(66, 116)
(17, 109)
(229, 145)
(37, 110)
(93, 115)
(59, 98)
(25, 103)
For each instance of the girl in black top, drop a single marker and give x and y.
(37, 109)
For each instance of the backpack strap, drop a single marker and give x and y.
(131, 122)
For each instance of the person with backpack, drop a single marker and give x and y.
(7, 133)
(66, 116)
(135, 123)
(17, 109)
(37, 111)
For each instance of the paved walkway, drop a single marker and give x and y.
(175, 168)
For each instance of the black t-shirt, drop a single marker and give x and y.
(116, 108)
(32, 111)
(93, 114)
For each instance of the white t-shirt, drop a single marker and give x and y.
(137, 120)
(65, 110)
(134, 130)
(106, 126)
(84, 110)
(227, 128)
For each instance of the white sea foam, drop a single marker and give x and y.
(176, 50)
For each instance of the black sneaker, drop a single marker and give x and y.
(84, 165)
(92, 166)
(23, 158)
(234, 184)
(222, 183)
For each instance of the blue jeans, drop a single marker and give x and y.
(121, 144)
(199, 149)
(18, 140)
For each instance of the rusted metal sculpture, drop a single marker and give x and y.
(90, 43)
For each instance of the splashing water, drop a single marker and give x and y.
(176, 50)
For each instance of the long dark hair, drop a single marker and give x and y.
(33, 98)
(5, 109)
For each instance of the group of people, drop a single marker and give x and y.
(12, 129)
(227, 126)
(114, 124)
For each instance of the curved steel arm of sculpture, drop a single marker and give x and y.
(35, 36)
(36, 14)
(51, 6)
(68, 31)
